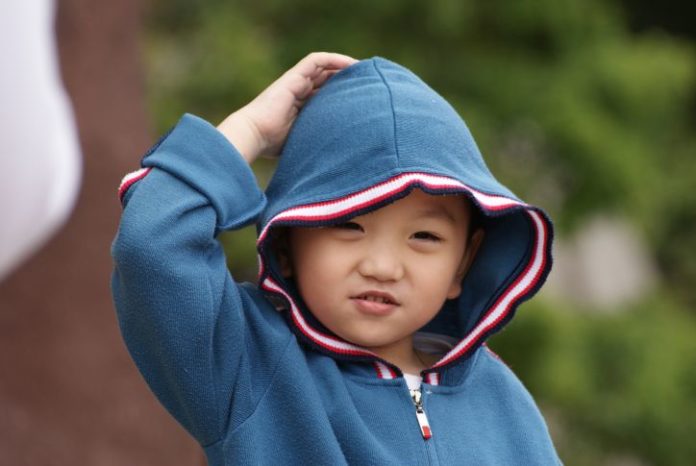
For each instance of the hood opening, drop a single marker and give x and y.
(511, 264)
(370, 135)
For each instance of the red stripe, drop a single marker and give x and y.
(379, 371)
(142, 173)
(433, 378)
(380, 367)
(368, 203)
(347, 211)
(377, 186)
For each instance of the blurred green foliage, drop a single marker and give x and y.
(617, 385)
(572, 111)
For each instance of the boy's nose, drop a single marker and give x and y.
(381, 263)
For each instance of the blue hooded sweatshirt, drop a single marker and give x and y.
(246, 368)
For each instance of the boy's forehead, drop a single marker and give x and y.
(437, 212)
(421, 205)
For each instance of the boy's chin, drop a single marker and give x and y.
(375, 343)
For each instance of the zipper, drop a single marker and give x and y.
(417, 398)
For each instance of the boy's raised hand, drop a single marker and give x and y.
(261, 126)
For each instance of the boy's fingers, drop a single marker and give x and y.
(322, 78)
(313, 71)
(313, 64)
(316, 84)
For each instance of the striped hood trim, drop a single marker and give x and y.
(527, 281)
(361, 202)
(384, 371)
(130, 179)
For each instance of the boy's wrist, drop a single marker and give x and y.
(242, 135)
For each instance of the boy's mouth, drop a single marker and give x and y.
(377, 297)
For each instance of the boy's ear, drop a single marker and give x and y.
(472, 248)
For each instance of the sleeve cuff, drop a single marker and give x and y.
(198, 154)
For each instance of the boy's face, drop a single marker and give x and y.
(378, 278)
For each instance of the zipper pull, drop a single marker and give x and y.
(420, 414)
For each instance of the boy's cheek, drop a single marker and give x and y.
(455, 290)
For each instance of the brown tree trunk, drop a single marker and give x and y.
(69, 393)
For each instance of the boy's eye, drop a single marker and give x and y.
(426, 236)
(348, 226)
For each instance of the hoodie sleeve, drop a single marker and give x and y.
(181, 314)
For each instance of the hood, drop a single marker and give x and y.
(374, 132)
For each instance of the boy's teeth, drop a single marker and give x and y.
(376, 299)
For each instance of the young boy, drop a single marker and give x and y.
(388, 254)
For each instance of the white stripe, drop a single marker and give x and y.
(432, 378)
(130, 176)
(304, 326)
(346, 204)
(384, 370)
(504, 304)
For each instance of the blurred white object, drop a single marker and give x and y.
(604, 266)
(40, 162)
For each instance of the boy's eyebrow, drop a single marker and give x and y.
(438, 212)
